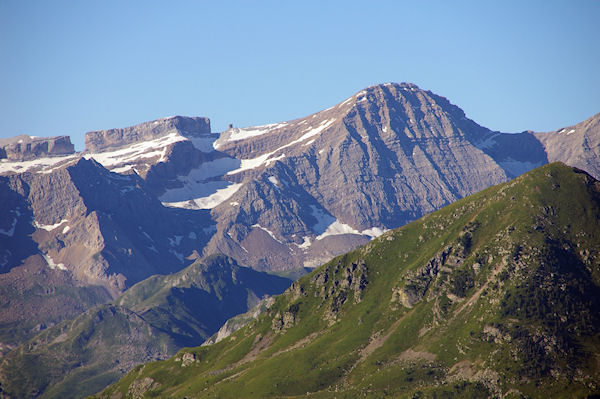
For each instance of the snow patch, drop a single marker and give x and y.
(10, 232)
(52, 265)
(328, 225)
(138, 151)
(126, 189)
(345, 102)
(323, 219)
(219, 196)
(268, 232)
(210, 169)
(373, 232)
(200, 186)
(147, 236)
(237, 134)
(210, 229)
(66, 229)
(488, 142)
(49, 227)
(175, 241)
(337, 228)
(266, 159)
(571, 131)
(204, 143)
(248, 164)
(305, 244)
(274, 181)
(122, 169)
(517, 168)
(270, 161)
(178, 255)
(44, 164)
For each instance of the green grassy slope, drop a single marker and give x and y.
(497, 294)
(80, 355)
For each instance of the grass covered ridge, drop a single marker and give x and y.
(497, 294)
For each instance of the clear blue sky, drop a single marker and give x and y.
(67, 67)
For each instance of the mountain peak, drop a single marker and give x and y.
(401, 85)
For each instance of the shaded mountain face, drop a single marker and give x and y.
(103, 228)
(79, 236)
(497, 294)
(195, 302)
(150, 321)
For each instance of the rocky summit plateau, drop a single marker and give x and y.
(80, 229)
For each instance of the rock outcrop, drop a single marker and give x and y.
(25, 148)
(102, 140)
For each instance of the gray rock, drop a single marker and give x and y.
(25, 148)
(102, 140)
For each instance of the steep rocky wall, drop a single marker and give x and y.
(100, 140)
(25, 148)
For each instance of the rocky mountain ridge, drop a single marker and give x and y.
(102, 140)
(313, 187)
(25, 148)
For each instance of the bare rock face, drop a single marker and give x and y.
(25, 148)
(314, 187)
(380, 159)
(159, 151)
(577, 145)
(101, 140)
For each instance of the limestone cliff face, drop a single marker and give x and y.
(101, 140)
(577, 145)
(376, 161)
(25, 148)
(316, 186)
(159, 151)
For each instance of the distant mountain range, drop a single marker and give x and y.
(78, 229)
(496, 295)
